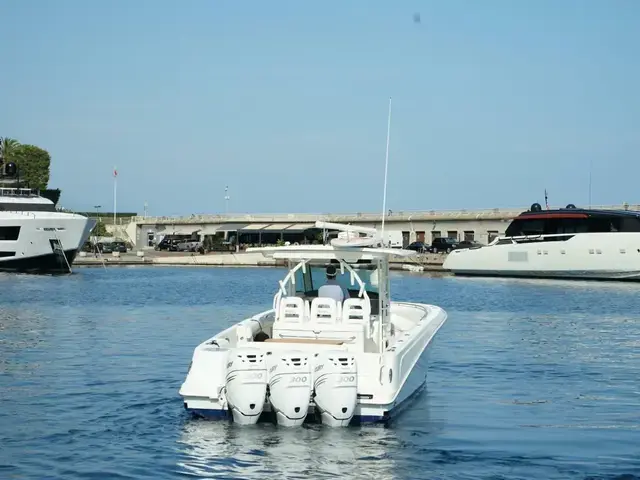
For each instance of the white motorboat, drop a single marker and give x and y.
(567, 243)
(34, 236)
(311, 358)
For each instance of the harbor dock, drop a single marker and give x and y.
(422, 262)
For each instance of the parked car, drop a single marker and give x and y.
(189, 246)
(443, 244)
(104, 247)
(419, 247)
(468, 244)
(119, 246)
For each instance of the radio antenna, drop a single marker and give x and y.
(386, 168)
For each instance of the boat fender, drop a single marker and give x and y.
(260, 337)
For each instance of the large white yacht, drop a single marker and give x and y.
(34, 236)
(316, 358)
(569, 243)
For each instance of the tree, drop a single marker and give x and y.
(33, 165)
(8, 147)
(100, 230)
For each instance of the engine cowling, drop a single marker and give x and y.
(290, 387)
(336, 387)
(246, 385)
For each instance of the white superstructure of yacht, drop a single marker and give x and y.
(34, 236)
(567, 243)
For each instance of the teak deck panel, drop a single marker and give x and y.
(305, 340)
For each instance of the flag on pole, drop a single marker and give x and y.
(115, 175)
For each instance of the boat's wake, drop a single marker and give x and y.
(216, 449)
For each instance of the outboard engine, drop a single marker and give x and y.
(336, 387)
(290, 387)
(246, 383)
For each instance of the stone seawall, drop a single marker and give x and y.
(429, 262)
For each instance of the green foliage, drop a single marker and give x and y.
(33, 165)
(33, 162)
(8, 146)
(100, 230)
(52, 194)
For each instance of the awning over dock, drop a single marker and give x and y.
(300, 227)
(230, 227)
(257, 227)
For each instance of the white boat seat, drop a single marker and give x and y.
(357, 311)
(292, 310)
(324, 310)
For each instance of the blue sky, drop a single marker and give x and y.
(286, 102)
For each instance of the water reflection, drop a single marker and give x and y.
(211, 448)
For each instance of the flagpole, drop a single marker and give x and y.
(115, 191)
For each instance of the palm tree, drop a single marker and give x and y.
(8, 147)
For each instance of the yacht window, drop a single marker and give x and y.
(28, 207)
(9, 233)
(629, 224)
(568, 225)
(525, 227)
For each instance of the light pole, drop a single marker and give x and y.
(226, 199)
(95, 237)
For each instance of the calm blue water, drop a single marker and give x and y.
(528, 379)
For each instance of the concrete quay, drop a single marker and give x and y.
(479, 225)
(426, 262)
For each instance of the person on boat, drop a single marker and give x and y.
(332, 289)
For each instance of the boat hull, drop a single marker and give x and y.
(416, 383)
(47, 242)
(584, 256)
(364, 413)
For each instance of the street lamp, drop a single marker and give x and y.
(95, 237)
(226, 199)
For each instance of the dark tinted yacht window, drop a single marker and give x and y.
(27, 207)
(9, 233)
(559, 223)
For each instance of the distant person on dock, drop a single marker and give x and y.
(332, 288)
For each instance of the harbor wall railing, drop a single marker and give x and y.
(392, 216)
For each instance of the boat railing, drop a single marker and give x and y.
(535, 236)
(19, 192)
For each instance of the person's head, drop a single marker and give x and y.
(331, 272)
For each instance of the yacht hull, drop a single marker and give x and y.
(46, 243)
(584, 256)
(554, 275)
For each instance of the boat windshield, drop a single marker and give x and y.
(367, 273)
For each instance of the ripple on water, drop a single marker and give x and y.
(527, 379)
